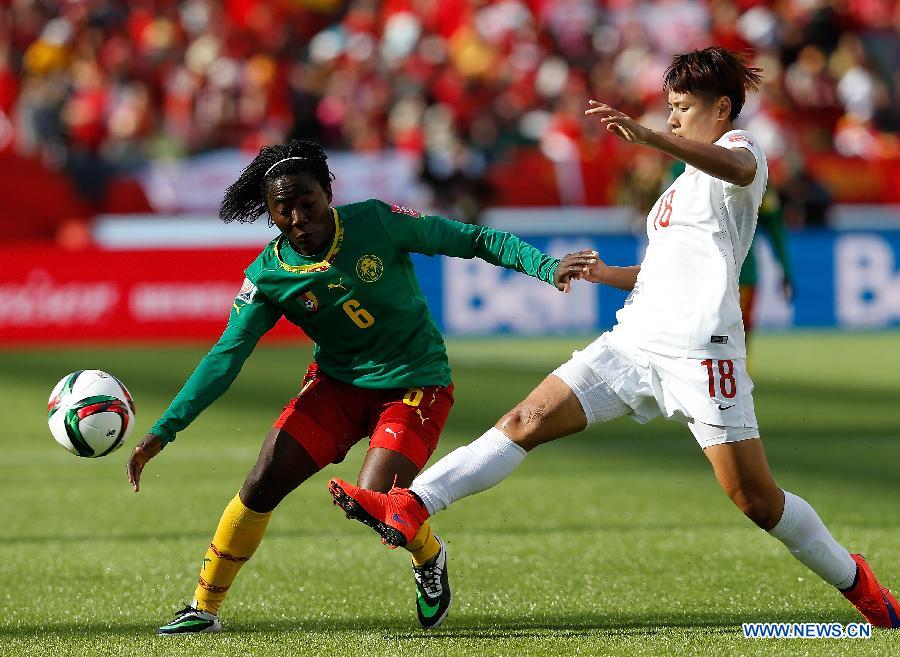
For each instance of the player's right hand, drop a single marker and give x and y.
(150, 446)
(621, 125)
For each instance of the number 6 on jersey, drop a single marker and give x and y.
(360, 316)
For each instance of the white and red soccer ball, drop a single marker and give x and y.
(90, 413)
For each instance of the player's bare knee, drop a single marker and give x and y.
(521, 425)
(258, 492)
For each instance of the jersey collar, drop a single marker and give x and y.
(326, 261)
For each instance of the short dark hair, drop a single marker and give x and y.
(711, 73)
(245, 199)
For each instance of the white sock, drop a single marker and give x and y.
(807, 538)
(469, 469)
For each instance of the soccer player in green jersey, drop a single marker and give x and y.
(769, 220)
(343, 274)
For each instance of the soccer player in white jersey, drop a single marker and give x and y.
(677, 349)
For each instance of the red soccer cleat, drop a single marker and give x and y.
(397, 515)
(872, 599)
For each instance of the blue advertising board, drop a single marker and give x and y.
(845, 279)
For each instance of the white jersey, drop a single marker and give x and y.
(685, 302)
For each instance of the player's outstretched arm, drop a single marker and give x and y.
(414, 232)
(251, 317)
(622, 278)
(150, 446)
(734, 165)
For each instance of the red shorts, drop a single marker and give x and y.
(328, 417)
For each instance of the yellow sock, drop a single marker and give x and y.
(238, 535)
(424, 546)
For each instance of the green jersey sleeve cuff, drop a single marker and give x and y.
(165, 435)
(549, 273)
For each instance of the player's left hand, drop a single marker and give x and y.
(571, 267)
(619, 124)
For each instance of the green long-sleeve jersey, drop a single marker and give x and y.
(358, 300)
(769, 221)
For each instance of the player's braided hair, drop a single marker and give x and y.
(245, 199)
(712, 73)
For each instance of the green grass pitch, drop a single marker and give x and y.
(613, 542)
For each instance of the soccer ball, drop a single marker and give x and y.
(90, 413)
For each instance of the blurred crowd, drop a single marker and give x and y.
(99, 87)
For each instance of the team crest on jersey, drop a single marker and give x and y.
(369, 268)
(399, 209)
(246, 293)
(739, 138)
(309, 301)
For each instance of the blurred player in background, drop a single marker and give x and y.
(344, 275)
(771, 223)
(677, 349)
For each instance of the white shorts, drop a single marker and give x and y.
(713, 397)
